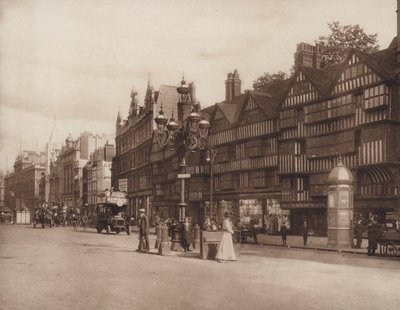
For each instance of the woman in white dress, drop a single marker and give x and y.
(225, 249)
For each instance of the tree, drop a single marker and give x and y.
(334, 49)
(336, 46)
(267, 80)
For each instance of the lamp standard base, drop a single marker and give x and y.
(176, 244)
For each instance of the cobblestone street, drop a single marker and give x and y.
(60, 268)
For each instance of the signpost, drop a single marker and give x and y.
(184, 176)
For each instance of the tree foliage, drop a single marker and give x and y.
(333, 47)
(336, 46)
(267, 80)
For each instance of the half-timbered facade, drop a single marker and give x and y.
(244, 133)
(349, 110)
(274, 150)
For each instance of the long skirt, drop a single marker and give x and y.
(225, 249)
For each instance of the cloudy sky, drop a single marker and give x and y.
(79, 59)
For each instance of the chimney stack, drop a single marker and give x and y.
(232, 86)
(308, 55)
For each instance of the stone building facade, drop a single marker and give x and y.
(96, 176)
(22, 186)
(66, 174)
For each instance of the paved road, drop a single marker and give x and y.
(62, 269)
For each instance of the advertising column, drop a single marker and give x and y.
(340, 207)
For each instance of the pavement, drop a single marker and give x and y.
(313, 243)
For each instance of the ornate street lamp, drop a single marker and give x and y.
(211, 154)
(186, 136)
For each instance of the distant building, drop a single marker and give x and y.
(97, 176)
(22, 186)
(66, 175)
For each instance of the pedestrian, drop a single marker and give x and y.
(128, 218)
(283, 233)
(358, 233)
(225, 249)
(171, 228)
(305, 233)
(85, 221)
(144, 245)
(254, 229)
(187, 235)
(374, 235)
(207, 226)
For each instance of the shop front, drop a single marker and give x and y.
(379, 207)
(264, 214)
(313, 213)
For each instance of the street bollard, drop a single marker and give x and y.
(163, 248)
(196, 237)
(158, 239)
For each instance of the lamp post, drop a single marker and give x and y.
(211, 153)
(183, 137)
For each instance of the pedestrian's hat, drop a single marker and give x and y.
(141, 210)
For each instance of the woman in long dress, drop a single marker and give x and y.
(225, 249)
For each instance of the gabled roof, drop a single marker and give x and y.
(278, 91)
(267, 103)
(382, 62)
(232, 109)
(323, 78)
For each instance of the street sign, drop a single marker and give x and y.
(184, 176)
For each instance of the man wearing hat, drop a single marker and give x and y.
(143, 231)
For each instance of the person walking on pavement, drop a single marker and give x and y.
(187, 235)
(254, 229)
(358, 233)
(374, 234)
(284, 233)
(226, 250)
(144, 245)
(128, 219)
(305, 233)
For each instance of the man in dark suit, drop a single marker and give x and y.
(143, 231)
(305, 233)
(374, 235)
(358, 232)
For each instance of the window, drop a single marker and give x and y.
(300, 115)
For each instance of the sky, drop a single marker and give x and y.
(76, 61)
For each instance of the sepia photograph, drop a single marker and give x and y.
(200, 155)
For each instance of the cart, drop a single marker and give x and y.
(389, 244)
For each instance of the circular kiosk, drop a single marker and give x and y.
(340, 207)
